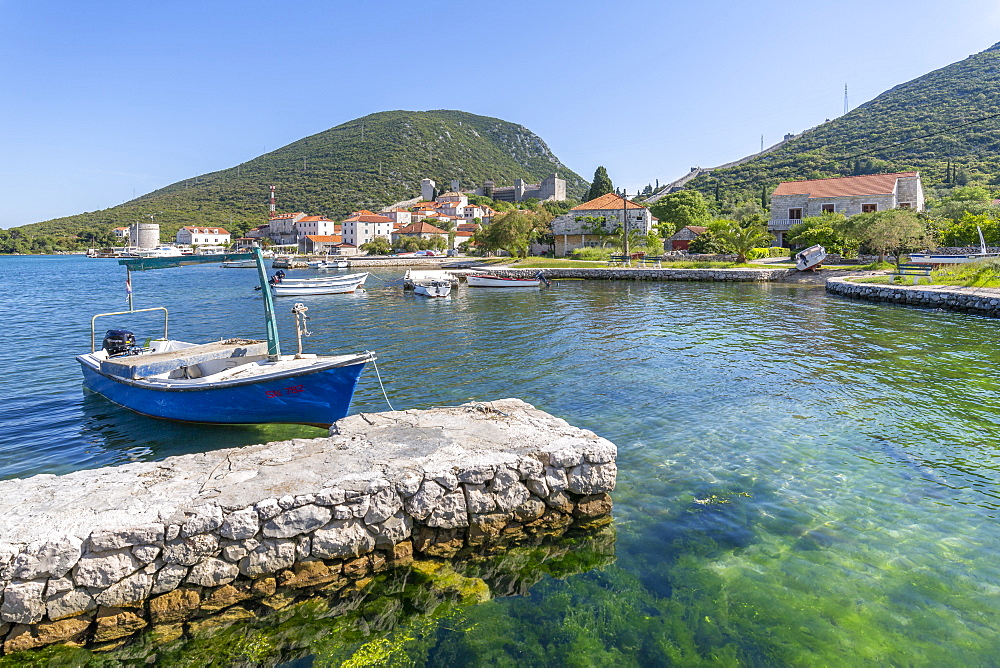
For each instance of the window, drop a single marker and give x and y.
(904, 205)
(795, 214)
(869, 208)
(829, 208)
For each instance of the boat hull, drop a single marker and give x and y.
(433, 290)
(315, 397)
(498, 282)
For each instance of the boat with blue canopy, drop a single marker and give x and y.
(233, 381)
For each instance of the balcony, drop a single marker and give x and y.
(782, 224)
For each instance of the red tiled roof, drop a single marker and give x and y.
(844, 186)
(368, 218)
(312, 219)
(286, 215)
(421, 228)
(697, 229)
(608, 202)
(325, 238)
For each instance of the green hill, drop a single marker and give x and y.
(932, 124)
(366, 163)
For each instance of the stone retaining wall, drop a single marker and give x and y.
(643, 274)
(970, 300)
(94, 556)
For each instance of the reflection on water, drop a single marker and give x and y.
(803, 479)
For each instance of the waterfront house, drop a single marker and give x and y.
(792, 201)
(363, 226)
(589, 223)
(202, 236)
(317, 226)
(283, 229)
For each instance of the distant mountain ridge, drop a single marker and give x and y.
(924, 124)
(365, 163)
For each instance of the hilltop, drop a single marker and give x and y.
(366, 163)
(931, 124)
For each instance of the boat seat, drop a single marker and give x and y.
(143, 366)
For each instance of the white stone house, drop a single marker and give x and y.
(363, 226)
(316, 226)
(202, 236)
(792, 201)
(607, 213)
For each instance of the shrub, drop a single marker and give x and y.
(778, 251)
(758, 253)
(591, 254)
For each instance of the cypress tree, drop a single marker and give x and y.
(601, 184)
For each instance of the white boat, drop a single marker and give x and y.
(285, 289)
(810, 258)
(932, 258)
(240, 264)
(433, 288)
(333, 264)
(324, 280)
(491, 281)
(159, 251)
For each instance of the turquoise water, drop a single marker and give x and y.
(803, 479)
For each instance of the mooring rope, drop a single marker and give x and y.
(379, 376)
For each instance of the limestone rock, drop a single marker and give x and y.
(224, 596)
(174, 606)
(69, 603)
(450, 512)
(392, 530)
(297, 521)
(207, 518)
(22, 602)
(478, 500)
(168, 578)
(134, 588)
(593, 478)
(104, 541)
(145, 553)
(63, 631)
(383, 505)
(189, 551)
(103, 569)
(555, 479)
(240, 525)
(593, 506)
(212, 572)
(270, 556)
(424, 501)
(512, 497)
(51, 559)
(342, 538)
(408, 483)
(114, 623)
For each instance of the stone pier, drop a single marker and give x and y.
(94, 557)
(983, 301)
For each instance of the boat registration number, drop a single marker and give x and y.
(294, 389)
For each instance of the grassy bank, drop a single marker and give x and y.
(564, 263)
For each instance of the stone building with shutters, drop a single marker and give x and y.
(792, 201)
(589, 223)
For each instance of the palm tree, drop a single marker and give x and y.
(741, 240)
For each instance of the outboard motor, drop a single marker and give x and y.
(118, 342)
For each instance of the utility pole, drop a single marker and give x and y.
(625, 226)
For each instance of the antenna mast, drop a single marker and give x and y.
(845, 98)
(271, 203)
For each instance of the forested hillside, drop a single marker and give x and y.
(365, 163)
(946, 124)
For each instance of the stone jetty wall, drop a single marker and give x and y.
(95, 556)
(665, 273)
(984, 301)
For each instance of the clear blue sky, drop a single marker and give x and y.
(106, 100)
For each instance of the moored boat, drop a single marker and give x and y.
(229, 382)
(240, 264)
(437, 289)
(319, 286)
(492, 281)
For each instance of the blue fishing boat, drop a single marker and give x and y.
(236, 381)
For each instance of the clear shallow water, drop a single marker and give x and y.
(803, 479)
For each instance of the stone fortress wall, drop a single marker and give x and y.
(95, 556)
